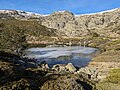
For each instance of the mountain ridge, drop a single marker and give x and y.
(104, 11)
(70, 25)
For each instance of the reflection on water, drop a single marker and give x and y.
(78, 56)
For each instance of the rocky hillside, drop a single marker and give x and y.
(105, 23)
(15, 34)
(72, 25)
(63, 21)
(18, 14)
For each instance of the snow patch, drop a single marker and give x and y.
(98, 12)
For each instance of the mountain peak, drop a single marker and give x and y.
(63, 12)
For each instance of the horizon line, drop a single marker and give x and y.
(99, 12)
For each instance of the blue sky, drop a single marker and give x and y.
(49, 6)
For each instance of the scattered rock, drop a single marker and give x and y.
(59, 67)
(65, 68)
(62, 83)
(17, 85)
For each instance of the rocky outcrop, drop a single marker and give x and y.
(58, 20)
(92, 72)
(70, 67)
(71, 25)
(64, 68)
(59, 67)
(100, 22)
(63, 21)
(98, 71)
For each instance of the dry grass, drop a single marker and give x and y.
(108, 56)
(107, 86)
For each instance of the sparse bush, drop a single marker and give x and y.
(12, 39)
(14, 34)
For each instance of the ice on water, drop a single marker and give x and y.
(55, 52)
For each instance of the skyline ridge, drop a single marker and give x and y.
(48, 6)
(61, 12)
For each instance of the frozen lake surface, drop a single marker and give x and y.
(78, 56)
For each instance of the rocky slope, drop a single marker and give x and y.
(24, 74)
(71, 25)
(68, 24)
(18, 14)
(15, 35)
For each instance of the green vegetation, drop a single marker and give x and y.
(14, 34)
(12, 39)
(114, 76)
(33, 28)
(98, 42)
(112, 82)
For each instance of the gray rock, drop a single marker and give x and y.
(59, 67)
(71, 25)
(92, 72)
(65, 68)
(70, 67)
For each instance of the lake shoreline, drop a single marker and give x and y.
(63, 55)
